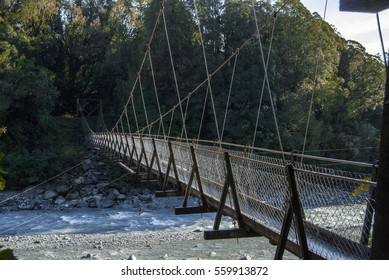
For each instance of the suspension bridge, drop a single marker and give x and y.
(293, 199)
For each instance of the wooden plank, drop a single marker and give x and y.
(229, 233)
(193, 210)
(168, 193)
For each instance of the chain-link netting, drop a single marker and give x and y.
(337, 205)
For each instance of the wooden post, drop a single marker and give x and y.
(195, 172)
(156, 159)
(229, 183)
(294, 209)
(171, 163)
(380, 245)
(134, 152)
(126, 150)
(142, 153)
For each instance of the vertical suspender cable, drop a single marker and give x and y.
(314, 88)
(135, 115)
(156, 94)
(229, 95)
(174, 71)
(128, 121)
(382, 41)
(266, 78)
(202, 114)
(263, 84)
(144, 105)
(207, 72)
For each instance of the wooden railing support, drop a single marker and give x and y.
(295, 211)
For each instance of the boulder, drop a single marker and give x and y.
(145, 197)
(107, 203)
(88, 164)
(62, 189)
(50, 194)
(121, 197)
(79, 181)
(59, 200)
(40, 191)
(73, 195)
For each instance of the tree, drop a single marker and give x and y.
(2, 171)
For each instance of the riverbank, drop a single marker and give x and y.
(87, 213)
(159, 245)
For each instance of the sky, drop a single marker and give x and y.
(360, 27)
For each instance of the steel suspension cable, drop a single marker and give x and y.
(382, 40)
(171, 120)
(229, 96)
(156, 94)
(186, 113)
(47, 211)
(174, 71)
(266, 78)
(202, 114)
(205, 81)
(128, 121)
(46, 181)
(134, 112)
(314, 86)
(207, 72)
(142, 65)
(144, 104)
(263, 84)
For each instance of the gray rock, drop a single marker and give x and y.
(27, 205)
(73, 195)
(88, 164)
(87, 181)
(82, 204)
(245, 257)
(40, 191)
(107, 203)
(153, 206)
(74, 202)
(59, 200)
(50, 194)
(92, 204)
(62, 189)
(87, 256)
(124, 189)
(113, 194)
(121, 197)
(79, 181)
(145, 197)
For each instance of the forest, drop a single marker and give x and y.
(53, 52)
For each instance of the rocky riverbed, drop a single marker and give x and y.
(94, 211)
(95, 183)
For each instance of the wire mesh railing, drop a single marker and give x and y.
(337, 205)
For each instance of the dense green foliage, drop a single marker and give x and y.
(2, 170)
(7, 254)
(54, 51)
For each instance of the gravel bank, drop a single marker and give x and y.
(88, 187)
(162, 245)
